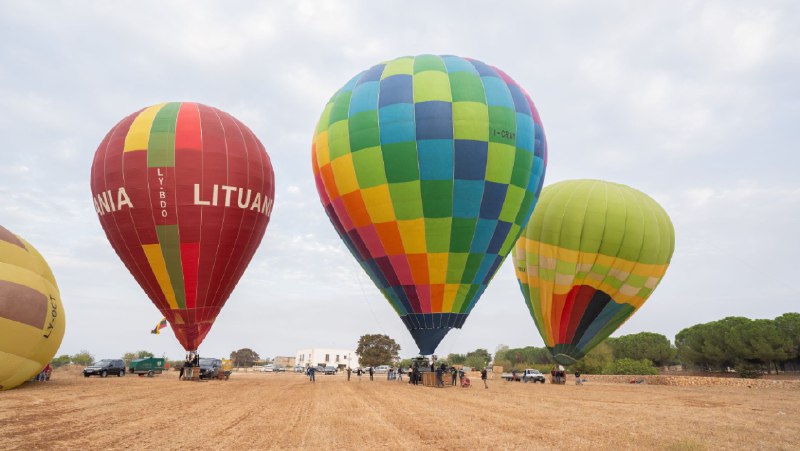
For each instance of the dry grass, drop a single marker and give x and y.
(255, 410)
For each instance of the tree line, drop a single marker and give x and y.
(747, 346)
(743, 344)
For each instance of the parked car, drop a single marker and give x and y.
(210, 368)
(149, 367)
(279, 369)
(267, 368)
(105, 367)
(326, 370)
(299, 369)
(529, 375)
(383, 369)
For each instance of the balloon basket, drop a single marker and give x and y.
(429, 379)
(191, 375)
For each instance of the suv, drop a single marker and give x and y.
(209, 368)
(105, 367)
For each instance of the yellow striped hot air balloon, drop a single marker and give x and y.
(31, 314)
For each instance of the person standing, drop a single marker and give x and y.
(311, 372)
(454, 373)
(461, 376)
(400, 374)
(578, 380)
(359, 372)
(371, 373)
(348, 373)
(484, 377)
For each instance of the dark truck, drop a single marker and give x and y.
(148, 367)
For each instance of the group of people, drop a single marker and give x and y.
(414, 375)
(44, 375)
(559, 376)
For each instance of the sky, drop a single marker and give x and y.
(695, 103)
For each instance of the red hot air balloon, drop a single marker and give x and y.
(184, 193)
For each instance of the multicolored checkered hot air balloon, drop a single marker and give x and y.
(31, 314)
(184, 193)
(429, 168)
(591, 255)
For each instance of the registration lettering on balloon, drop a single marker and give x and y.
(194, 194)
(51, 325)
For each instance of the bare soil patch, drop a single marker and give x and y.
(256, 410)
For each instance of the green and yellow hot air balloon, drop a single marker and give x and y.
(591, 255)
(31, 315)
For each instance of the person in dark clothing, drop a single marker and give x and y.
(359, 372)
(348, 373)
(439, 373)
(311, 372)
(415, 375)
(578, 380)
(453, 372)
(371, 372)
(484, 377)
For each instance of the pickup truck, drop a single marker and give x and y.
(529, 375)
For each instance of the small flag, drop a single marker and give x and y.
(161, 324)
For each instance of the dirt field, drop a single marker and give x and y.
(256, 410)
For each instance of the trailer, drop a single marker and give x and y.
(147, 367)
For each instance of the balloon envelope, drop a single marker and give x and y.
(184, 193)
(591, 255)
(429, 168)
(31, 314)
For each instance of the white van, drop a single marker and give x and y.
(382, 369)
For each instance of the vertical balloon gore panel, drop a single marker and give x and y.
(32, 317)
(184, 193)
(428, 168)
(591, 256)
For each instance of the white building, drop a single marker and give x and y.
(341, 358)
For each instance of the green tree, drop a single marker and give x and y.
(631, 366)
(765, 342)
(644, 345)
(60, 361)
(596, 360)
(244, 358)
(405, 363)
(83, 358)
(789, 323)
(377, 349)
(457, 359)
(478, 358)
(714, 345)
